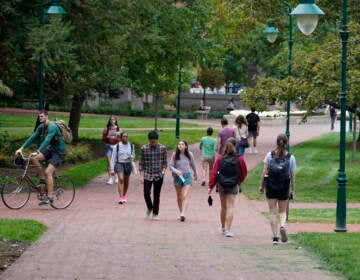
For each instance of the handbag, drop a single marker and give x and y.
(244, 142)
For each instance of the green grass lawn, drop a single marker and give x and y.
(26, 231)
(317, 163)
(338, 252)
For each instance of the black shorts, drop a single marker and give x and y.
(55, 156)
(281, 194)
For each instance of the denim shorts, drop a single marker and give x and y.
(123, 167)
(179, 183)
(55, 156)
(108, 150)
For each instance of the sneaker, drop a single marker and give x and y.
(229, 234)
(221, 230)
(124, 199)
(147, 214)
(203, 183)
(46, 201)
(182, 218)
(121, 201)
(255, 151)
(283, 234)
(116, 180)
(250, 151)
(275, 241)
(109, 181)
(155, 217)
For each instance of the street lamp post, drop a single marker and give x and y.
(341, 194)
(55, 8)
(177, 129)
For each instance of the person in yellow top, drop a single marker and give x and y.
(52, 147)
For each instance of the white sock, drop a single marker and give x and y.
(282, 218)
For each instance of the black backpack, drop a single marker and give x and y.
(279, 172)
(228, 174)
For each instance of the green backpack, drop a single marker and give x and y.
(65, 130)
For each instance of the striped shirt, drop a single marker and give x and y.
(153, 159)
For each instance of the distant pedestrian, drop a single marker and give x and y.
(208, 147)
(333, 116)
(241, 133)
(110, 137)
(152, 167)
(277, 177)
(253, 129)
(122, 156)
(231, 105)
(181, 163)
(229, 171)
(223, 135)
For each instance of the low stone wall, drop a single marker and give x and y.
(281, 121)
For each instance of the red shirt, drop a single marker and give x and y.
(242, 170)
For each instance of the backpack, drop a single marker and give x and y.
(228, 174)
(279, 172)
(65, 130)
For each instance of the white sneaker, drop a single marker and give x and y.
(116, 180)
(255, 151)
(155, 217)
(109, 181)
(229, 234)
(222, 230)
(250, 151)
(147, 214)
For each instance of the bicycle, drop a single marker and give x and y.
(16, 190)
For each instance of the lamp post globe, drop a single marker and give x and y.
(271, 31)
(307, 16)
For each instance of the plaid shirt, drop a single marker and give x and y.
(152, 161)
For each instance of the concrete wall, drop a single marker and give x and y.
(218, 102)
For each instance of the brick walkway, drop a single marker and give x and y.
(96, 238)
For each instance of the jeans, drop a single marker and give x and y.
(153, 205)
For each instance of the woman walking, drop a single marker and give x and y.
(110, 137)
(278, 171)
(181, 163)
(241, 133)
(229, 171)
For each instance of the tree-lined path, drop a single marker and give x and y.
(96, 238)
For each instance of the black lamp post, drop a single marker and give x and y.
(55, 8)
(342, 179)
(177, 129)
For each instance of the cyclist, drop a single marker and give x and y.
(52, 147)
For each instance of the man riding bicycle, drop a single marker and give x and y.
(52, 147)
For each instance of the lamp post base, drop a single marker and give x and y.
(340, 229)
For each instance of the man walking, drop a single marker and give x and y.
(223, 135)
(152, 167)
(253, 129)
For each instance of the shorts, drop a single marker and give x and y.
(228, 190)
(123, 167)
(277, 194)
(253, 133)
(208, 159)
(179, 183)
(108, 150)
(56, 156)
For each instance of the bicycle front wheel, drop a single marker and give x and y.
(64, 192)
(15, 192)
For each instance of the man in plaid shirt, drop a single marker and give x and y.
(152, 167)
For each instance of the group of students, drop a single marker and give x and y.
(153, 165)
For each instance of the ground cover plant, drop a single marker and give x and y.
(317, 163)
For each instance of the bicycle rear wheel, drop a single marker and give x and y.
(15, 192)
(64, 192)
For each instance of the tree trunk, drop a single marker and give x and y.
(75, 115)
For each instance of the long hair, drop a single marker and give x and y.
(281, 142)
(186, 151)
(240, 120)
(229, 150)
(109, 124)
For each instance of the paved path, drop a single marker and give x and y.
(96, 238)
